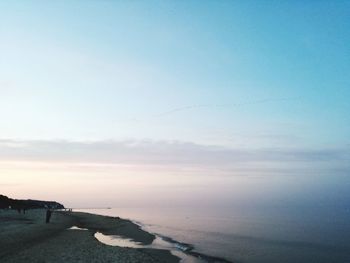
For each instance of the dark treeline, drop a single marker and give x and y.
(6, 202)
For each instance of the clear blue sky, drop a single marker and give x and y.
(235, 74)
(96, 70)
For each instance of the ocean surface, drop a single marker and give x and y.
(249, 235)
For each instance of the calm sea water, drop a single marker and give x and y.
(265, 235)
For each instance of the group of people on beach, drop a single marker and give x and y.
(19, 210)
(49, 211)
(48, 214)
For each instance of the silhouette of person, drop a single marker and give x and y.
(48, 215)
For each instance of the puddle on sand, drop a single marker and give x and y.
(158, 243)
(77, 228)
(117, 241)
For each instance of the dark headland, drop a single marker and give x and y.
(6, 202)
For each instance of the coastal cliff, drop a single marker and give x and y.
(6, 202)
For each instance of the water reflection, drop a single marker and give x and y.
(158, 243)
(77, 228)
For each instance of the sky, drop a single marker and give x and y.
(133, 100)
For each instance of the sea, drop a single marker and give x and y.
(242, 234)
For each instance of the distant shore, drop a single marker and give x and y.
(26, 238)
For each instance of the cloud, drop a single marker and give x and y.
(227, 105)
(175, 154)
(211, 106)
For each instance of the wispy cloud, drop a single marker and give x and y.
(212, 106)
(226, 105)
(170, 154)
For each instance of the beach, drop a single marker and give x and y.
(27, 238)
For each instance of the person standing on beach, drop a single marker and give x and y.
(48, 215)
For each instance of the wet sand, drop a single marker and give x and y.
(26, 238)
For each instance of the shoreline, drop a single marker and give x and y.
(186, 252)
(26, 238)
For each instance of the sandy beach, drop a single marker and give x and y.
(26, 238)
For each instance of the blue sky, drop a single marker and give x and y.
(235, 74)
(87, 70)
